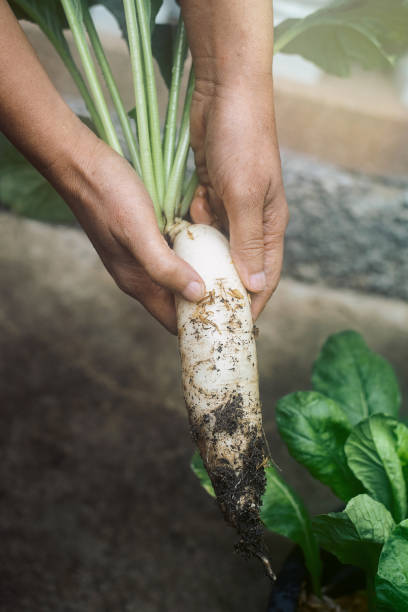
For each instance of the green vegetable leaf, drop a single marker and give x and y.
(357, 534)
(162, 45)
(25, 191)
(372, 455)
(392, 577)
(48, 14)
(359, 380)
(371, 33)
(283, 512)
(401, 432)
(199, 470)
(315, 430)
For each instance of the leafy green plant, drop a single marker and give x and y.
(346, 433)
(369, 33)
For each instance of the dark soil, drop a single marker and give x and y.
(228, 416)
(239, 487)
(354, 602)
(239, 494)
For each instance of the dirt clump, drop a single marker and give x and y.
(239, 494)
(229, 415)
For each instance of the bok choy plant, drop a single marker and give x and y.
(347, 434)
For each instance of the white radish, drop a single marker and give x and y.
(220, 380)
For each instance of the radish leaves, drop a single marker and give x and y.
(392, 576)
(369, 33)
(315, 429)
(372, 455)
(25, 191)
(199, 470)
(359, 380)
(357, 534)
(283, 512)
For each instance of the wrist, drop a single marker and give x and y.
(212, 83)
(69, 166)
(230, 70)
(230, 39)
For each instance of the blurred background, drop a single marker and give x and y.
(100, 510)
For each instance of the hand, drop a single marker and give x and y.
(114, 208)
(236, 152)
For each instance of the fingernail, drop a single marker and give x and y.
(194, 291)
(257, 282)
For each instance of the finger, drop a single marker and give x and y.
(273, 266)
(245, 213)
(276, 218)
(200, 209)
(218, 210)
(134, 281)
(151, 250)
(161, 306)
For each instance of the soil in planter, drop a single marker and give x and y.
(354, 602)
(343, 587)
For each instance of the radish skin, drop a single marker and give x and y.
(220, 380)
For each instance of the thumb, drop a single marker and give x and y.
(159, 261)
(247, 243)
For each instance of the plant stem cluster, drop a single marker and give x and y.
(160, 161)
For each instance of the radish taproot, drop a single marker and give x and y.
(220, 380)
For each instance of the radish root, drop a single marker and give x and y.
(220, 381)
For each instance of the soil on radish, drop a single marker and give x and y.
(229, 415)
(231, 485)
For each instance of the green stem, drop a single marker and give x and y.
(151, 96)
(188, 195)
(177, 171)
(141, 107)
(371, 595)
(83, 90)
(73, 12)
(61, 46)
(172, 107)
(113, 89)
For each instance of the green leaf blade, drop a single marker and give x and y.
(199, 470)
(370, 33)
(315, 431)
(392, 576)
(356, 535)
(372, 455)
(284, 513)
(359, 380)
(25, 191)
(401, 433)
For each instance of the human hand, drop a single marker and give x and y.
(236, 152)
(115, 210)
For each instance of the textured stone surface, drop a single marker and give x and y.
(346, 229)
(99, 510)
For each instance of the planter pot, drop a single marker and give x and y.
(338, 580)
